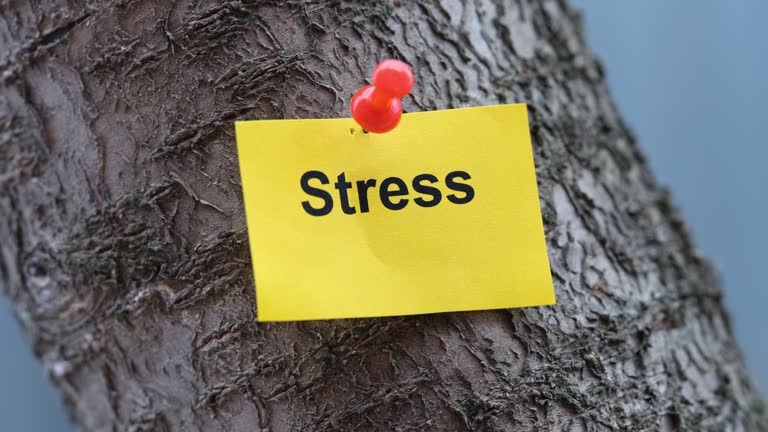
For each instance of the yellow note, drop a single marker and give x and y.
(441, 214)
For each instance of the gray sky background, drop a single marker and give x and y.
(691, 79)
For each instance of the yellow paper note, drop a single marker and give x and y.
(441, 214)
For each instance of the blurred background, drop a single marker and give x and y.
(691, 79)
(686, 76)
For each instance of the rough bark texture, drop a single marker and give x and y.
(124, 248)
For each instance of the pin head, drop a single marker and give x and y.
(393, 78)
(377, 107)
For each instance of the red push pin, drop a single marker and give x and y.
(377, 107)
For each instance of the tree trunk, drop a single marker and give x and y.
(124, 246)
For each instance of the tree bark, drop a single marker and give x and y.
(124, 246)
